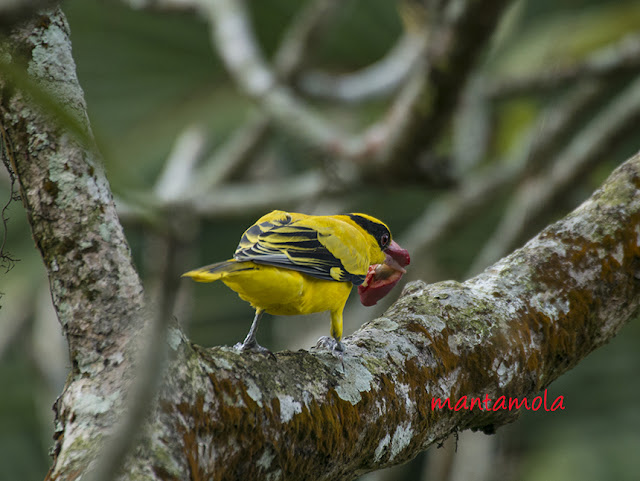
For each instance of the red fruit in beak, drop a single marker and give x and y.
(382, 277)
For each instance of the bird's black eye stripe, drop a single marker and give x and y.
(377, 230)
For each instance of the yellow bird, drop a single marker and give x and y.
(290, 263)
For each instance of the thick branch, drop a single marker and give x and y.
(67, 197)
(508, 332)
(95, 289)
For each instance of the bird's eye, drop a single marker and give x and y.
(384, 239)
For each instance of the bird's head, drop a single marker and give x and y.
(388, 260)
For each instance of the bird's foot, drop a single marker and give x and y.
(254, 347)
(336, 348)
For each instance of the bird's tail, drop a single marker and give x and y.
(217, 271)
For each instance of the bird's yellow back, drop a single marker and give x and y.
(328, 247)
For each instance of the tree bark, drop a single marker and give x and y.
(220, 414)
(95, 289)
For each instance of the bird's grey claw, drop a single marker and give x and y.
(330, 344)
(325, 342)
(254, 347)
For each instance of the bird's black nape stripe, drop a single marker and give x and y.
(376, 229)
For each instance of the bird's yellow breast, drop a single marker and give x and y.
(286, 292)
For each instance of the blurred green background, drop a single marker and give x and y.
(148, 75)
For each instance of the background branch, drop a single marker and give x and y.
(376, 80)
(579, 159)
(622, 58)
(448, 213)
(425, 107)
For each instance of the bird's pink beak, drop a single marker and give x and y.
(381, 278)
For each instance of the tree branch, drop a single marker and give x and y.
(424, 109)
(611, 61)
(375, 80)
(13, 12)
(149, 372)
(390, 148)
(508, 332)
(290, 57)
(476, 191)
(233, 156)
(95, 289)
(609, 128)
(67, 197)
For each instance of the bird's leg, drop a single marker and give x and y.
(250, 343)
(333, 343)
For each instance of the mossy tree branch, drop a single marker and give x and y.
(95, 289)
(219, 414)
(510, 331)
